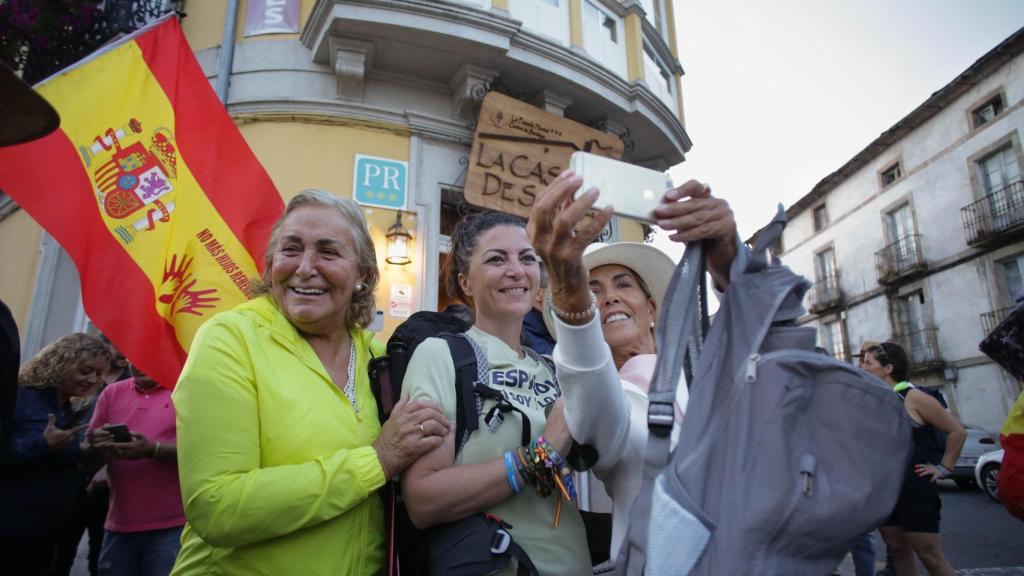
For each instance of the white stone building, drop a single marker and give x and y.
(918, 238)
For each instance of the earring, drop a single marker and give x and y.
(360, 286)
(652, 324)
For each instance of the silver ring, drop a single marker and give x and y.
(422, 431)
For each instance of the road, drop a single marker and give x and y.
(979, 537)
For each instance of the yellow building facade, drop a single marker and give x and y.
(398, 81)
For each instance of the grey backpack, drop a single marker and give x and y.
(785, 456)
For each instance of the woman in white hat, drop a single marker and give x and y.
(605, 302)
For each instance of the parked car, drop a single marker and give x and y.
(986, 471)
(978, 442)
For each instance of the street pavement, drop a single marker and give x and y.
(979, 537)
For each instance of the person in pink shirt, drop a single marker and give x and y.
(143, 526)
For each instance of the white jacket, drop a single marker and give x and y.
(606, 412)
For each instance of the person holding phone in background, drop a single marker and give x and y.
(133, 433)
(40, 481)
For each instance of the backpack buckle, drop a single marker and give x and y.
(661, 417)
(501, 541)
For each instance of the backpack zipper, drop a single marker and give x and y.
(752, 367)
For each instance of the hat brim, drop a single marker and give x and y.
(24, 114)
(650, 264)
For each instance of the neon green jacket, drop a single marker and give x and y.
(278, 472)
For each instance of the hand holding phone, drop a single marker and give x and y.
(633, 191)
(119, 432)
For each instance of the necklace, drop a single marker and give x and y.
(350, 384)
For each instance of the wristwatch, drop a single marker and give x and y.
(945, 471)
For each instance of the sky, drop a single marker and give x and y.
(779, 94)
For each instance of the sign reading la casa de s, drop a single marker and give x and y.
(519, 149)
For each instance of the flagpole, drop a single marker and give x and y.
(112, 45)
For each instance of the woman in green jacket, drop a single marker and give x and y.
(280, 448)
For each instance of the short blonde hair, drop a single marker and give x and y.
(361, 308)
(55, 362)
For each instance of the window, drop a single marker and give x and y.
(602, 31)
(820, 217)
(609, 26)
(989, 110)
(998, 169)
(656, 70)
(1011, 272)
(825, 265)
(891, 174)
(604, 22)
(833, 339)
(912, 326)
(911, 310)
(997, 174)
(900, 224)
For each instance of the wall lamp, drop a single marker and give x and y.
(398, 242)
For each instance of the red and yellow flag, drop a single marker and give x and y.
(153, 192)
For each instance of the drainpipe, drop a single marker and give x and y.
(227, 52)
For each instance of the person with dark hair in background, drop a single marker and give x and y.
(41, 480)
(913, 527)
(143, 525)
(535, 332)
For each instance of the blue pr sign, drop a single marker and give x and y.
(380, 182)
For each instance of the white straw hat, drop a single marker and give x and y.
(650, 264)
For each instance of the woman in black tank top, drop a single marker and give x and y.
(913, 527)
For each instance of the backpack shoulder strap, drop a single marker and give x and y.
(466, 375)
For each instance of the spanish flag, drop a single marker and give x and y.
(150, 188)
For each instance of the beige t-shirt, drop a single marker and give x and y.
(531, 387)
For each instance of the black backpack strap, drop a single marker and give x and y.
(502, 407)
(464, 360)
(526, 567)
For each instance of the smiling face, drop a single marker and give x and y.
(626, 311)
(84, 376)
(314, 270)
(504, 275)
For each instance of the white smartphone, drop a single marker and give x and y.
(634, 191)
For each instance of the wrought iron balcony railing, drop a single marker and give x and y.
(81, 27)
(989, 320)
(999, 212)
(825, 294)
(899, 258)
(922, 349)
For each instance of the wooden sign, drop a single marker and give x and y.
(518, 149)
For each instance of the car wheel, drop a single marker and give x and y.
(965, 483)
(988, 480)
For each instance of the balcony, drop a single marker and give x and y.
(902, 258)
(62, 40)
(825, 294)
(989, 320)
(922, 349)
(1000, 212)
(431, 59)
